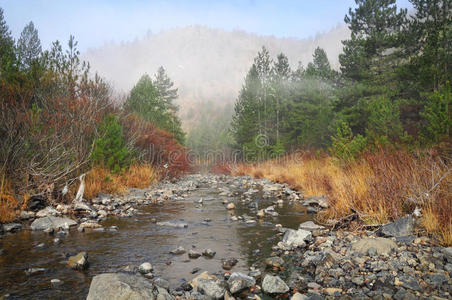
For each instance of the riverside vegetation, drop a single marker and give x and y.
(58, 121)
(376, 136)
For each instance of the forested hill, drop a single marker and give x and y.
(206, 64)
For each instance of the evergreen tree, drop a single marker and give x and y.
(428, 43)
(145, 100)
(320, 66)
(245, 124)
(281, 68)
(28, 46)
(165, 88)
(7, 57)
(375, 27)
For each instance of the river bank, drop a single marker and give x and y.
(252, 232)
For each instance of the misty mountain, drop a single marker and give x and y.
(206, 64)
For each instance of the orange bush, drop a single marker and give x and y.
(156, 146)
(102, 180)
(8, 204)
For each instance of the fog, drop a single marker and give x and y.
(206, 64)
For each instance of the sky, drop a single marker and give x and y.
(97, 22)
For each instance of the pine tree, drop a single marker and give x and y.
(375, 27)
(281, 68)
(28, 46)
(7, 57)
(320, 66)
(145, 100)
(244, 125)
(165, 88)
(428, 42)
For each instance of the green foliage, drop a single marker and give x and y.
(110, 149)
(384, 119)
(345, 146)
(320, 66)
(153, 100)
(437, 115)
(29, 46)
(7, 55)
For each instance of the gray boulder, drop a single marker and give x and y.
(79, 261)
(309, 225)
(211, 288)
(296, 238)
(274, 285)
(52, 223)
(239, 281)
(145, 268)
(448, 254)
(178, 251)
(402, 227)
(48, 211)
(380, 245)
(110, 286)
(82, 206)
(12, 227)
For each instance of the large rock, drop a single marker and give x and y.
(239, 281)
(12, 227)
(402, 227)
(82, 206)
(274, 285)
(203, 275)
(321, 201)
(448, 254)
(309, 225)
(111, 286)
(78, 262)
(145, 268)
(380, 245)
(52, 223)
(296, 238)
(213, 289)
(48, 211)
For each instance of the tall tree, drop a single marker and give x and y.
(429, 42)
(375, 26)
(165, 88)
(145, 100)
(320, 66)
(281, 67)
(28, 46)
(7, 57)
(245, 120)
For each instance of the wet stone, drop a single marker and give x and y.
(209, 253)
(145, 268)
(193, 254)
(239, 281)
(178, 251)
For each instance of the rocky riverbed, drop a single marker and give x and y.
(213, 237)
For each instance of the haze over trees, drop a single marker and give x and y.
(392, 88)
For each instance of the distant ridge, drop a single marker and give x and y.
(206, 64)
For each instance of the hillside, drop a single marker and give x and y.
(206, 64)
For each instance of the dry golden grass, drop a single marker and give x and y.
(8, 203)
(380, 187)
(101, 180)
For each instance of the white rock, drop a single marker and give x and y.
(145, 268)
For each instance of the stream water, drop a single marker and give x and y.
(139, 240)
